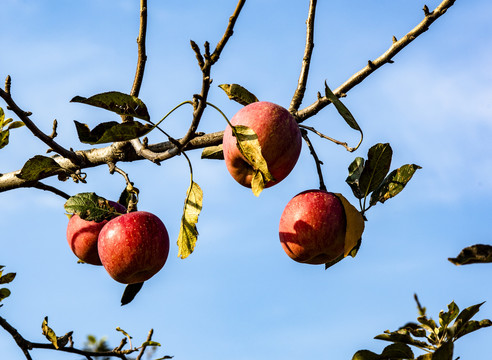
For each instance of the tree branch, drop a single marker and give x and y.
(48, 140)
(206, 62)
(27, 346)
(142, 56)
(306, 60)
(116, 152)
(373, 65)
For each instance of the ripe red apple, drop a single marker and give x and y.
(279, 138)
(133, 247)
(82, 236)
(312, 227)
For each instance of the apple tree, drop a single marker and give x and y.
(259, 145)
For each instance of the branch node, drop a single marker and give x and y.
(394, 39)
(426, 10)
(371, 65)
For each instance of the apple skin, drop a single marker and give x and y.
(312, 227)
(279, 137)
(133, 247)
(82, 236)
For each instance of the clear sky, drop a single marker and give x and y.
(238, 296)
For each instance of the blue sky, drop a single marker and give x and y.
(238, 296)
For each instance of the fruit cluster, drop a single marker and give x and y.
(316, 227)
(132, 247)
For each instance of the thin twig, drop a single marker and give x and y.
(142, 56)
(306, 60)
(228, 33)
(318, 162)
(344, 144)
(373, 65)
(144, 347)
(206, 64)
(24, 116)
(39, 185)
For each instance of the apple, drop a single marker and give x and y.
(313, 226)
(133, 247)
(82, 236)
(279, 137)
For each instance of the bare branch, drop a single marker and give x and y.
(373, 65)
(116, 152)
(24, 116)
(142, 56)
(228, 33)
(142, 350)
(306, 60)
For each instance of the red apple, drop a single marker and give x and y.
(279, 138)
(133, 247)
(312, 227)
(82, 236)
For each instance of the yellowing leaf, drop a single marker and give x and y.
(49, 333)
(188, 232)
(250, 148)
(257, 183)
(238, 93)
(355, 225)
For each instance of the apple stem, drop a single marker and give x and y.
(318, 162)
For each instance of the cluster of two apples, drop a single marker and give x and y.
(313, 225)
(132, 247)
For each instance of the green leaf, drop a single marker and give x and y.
(445, 318)
(15, 125)
(4, 293)
(117, 102)
(444, 352)
(213, 153)
(394, 183)
(4, 138)
(49, 333)
(461, 325)
(4, 134)
(473, 255)
(91, 207)
(355, 171)
(344, 112)
(391, 352)
(188, 232)
(131, 290)
(365, 355)
(111, 132)
(473, 325)
(40, 166)
(376, 167)
(238, 93)
(428, 324)
(250, 148)
(397, 351)
(7, 278)
(402, 336)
